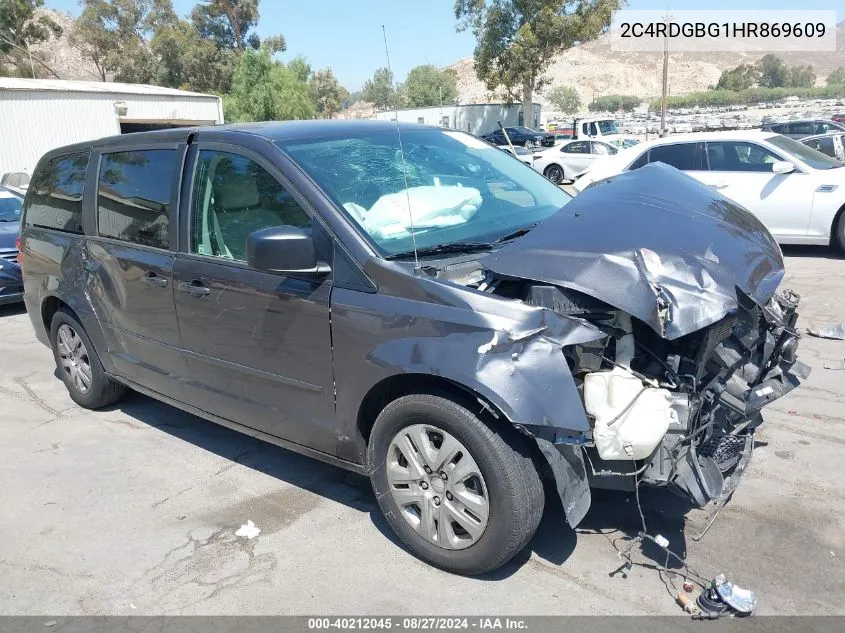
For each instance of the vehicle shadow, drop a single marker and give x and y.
(822, 252)
(309, 474)
(612, 514)
(12, 309)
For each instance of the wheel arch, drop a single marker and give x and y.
(393, 387)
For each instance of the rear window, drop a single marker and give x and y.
(54, 200)
(134, 196)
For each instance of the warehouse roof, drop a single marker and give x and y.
(108, 87)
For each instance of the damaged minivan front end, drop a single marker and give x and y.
(693, 340)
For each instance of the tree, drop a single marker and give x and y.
(264, 90)
(301, 68)
(740, 78)
(428, 86)
(837, 77)
(801, 77)
(565, 99)
(380, 90)
(327, 93)
(115, 34)
(517, 39)
(230, 24)
(19, 30)
(189, 62)
(773, 72)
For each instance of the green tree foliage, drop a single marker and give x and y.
(740, 78)
(114, 35)
(837, 77)
(188, 61)
(614, 103)
(517, 39)
(19, 30)
(380, 90)
(773, 72)
(300, 67)
(801, 77)
(565, 99)
(264, 90)
(428, 86)
(327, 93)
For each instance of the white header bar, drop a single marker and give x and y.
(711, 31)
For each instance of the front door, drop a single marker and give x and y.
(742, 171)
(258, 343)
(128, 265)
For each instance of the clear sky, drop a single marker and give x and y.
(346, 34)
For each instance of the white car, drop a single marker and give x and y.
(566, 161)
(797, 192)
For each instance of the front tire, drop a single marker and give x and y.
(529, 145)
(554, 173)
(78, 364)
(460, 495)
(839, 233)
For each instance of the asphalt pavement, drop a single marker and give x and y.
(133, 510)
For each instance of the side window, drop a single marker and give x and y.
(778, 129)
(601, 148)
(232, 198)
(824, 145)
(683, 156)
(54, 199)
(801, 127)
(133, 196)
(640, 162)
(739, 156)
(579, 147)
(593, 130)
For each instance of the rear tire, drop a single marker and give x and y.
(554, 173)
(507, 481)
(78, 364)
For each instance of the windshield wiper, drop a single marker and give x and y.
(451, 247)
(515, 234)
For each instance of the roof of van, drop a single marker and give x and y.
(109, 87)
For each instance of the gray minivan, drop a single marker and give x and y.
(412, 304)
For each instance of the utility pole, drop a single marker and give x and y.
(665, 96)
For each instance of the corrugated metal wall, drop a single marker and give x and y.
(32, 123)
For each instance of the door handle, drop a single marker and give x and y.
(719, 185)
(194, 288)
(154, 279)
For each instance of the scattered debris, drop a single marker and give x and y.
(249, 530)
(688, 586)
(836, 332)
(725, 598)
(688, 604)
(50, 623)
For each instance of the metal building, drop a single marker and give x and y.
(37, 115)
(475, 118)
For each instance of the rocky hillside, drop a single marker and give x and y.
(594, 70)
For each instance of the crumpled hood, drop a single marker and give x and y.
(654, 243)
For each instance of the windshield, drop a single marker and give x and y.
(10, 207)
(608, 127)
(459, 188)
(806, 155)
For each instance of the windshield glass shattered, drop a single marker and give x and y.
(453, 188)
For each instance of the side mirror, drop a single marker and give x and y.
(284, 249)
(782, 167)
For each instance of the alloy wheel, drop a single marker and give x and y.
(437, 486)
(555, 174)
(73, 358)
(529, 144)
